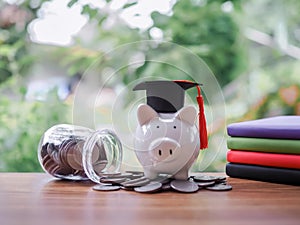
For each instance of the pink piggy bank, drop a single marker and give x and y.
(167, 143)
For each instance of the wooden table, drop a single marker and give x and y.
(37, 198)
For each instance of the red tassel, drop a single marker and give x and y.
(202, 121)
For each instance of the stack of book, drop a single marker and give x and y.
(265, 150)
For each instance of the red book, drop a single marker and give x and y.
(264, 159)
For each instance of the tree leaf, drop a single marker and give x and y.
(129, 5)
(71, 3)
(87, 10)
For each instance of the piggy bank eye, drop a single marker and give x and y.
(174, 127)
(157, 126)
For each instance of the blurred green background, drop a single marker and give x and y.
(252, 47)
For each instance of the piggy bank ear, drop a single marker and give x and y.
(145, 113)
(187, 114)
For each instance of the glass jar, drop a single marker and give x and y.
(79, 153)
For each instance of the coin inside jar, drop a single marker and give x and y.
(63, 147)
(78, 149)
(71, 160)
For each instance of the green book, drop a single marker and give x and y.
(288, 146)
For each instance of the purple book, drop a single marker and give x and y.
(281, 127)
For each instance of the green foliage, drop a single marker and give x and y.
(206, 30)
(284, 101)
(15, 59)
(282, 92)
(22, 125)
(83, 54)
(22, 122)
(274, 13)
(209, 32)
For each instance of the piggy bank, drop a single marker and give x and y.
(166, 143)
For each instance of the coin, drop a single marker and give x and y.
(127, 188)
(110, 174)
(64, 171)
(163, 179)
(166, 187)
(80, 173)
(50, 148)
(134, 176)
(136, 182)
(54, 169)
(205, 178)
(65, 148)
(78, 151)
(64, 143)
(100, 187)
(134, 172)
(55, 157)
(95, 152)
(113, 180)
(220, 179)
(206, 184)
(220, 187)
(45, 159)
(44, 150)
(53, 152)
(149, 188)
(71, 160)
(184, 186)
(128, 182)
(121, 175)
(99, 166)
(50, 166)
(101, 151)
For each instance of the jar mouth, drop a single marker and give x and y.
(102, 153)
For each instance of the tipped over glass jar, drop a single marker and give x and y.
(78, 153)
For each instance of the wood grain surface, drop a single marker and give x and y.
(37, 198)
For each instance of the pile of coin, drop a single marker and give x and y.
(65, 159)
(136, 181)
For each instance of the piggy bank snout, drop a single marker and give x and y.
(164, 149)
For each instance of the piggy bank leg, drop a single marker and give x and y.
(150, 174)
(182, 174)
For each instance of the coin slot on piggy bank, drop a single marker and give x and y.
(167, 138)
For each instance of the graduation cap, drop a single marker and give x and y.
(168, 97)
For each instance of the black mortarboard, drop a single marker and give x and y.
(165, 96)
